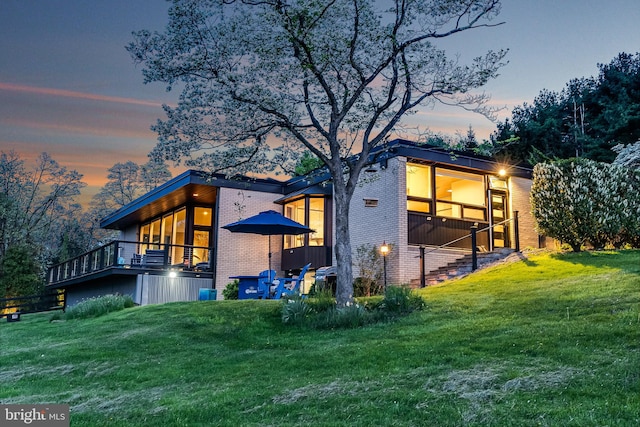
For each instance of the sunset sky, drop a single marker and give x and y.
(68, 86)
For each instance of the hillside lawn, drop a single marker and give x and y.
(551, 340)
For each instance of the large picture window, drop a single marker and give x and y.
(308, 211)
(172, 230)
(460, 194)
(454, 194)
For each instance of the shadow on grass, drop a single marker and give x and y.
(525, 259)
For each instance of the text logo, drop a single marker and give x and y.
(34, 415)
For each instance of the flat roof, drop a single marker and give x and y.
(192, 187)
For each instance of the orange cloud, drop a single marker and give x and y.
(86, 130)
(74, 94)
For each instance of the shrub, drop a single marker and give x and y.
(321, 312)
(401, 300)
(231, 291)
(370, 266)
(580, 201)
(94, 307)
(350, 316)
(322, 301)
(295, 311)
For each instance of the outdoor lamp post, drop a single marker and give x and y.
(384, 250)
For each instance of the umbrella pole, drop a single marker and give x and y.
(269, 271)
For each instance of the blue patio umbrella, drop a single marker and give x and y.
(268, 223)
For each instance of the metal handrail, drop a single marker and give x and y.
(495, 225)
(473, 245)
(465, 236)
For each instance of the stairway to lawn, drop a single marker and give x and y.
(462, 266)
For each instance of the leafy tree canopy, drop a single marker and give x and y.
(586, 119)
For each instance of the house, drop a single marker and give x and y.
(411, 196)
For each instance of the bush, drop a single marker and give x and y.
(94, 307)
(322, 301)
(295, 311)
(580, 201)
(231, 291)
(401, 300)
(321, 312)
(350, 316)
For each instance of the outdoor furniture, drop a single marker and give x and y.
(265, 280)
(247, 287)
(288, 285)
(255, 287)
(153, 257)
(268, 223)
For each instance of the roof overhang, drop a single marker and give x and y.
(191, 187)
(441, 156)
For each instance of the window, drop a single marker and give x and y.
(316, 221)
(460, 194)
(418, 188)
(294, 211)
(179, 232)
(460, 187)
(498, 183)
(172, 228)
(418, 206)
(297, 211)
(419, 181)
(202, 216)
(201, 246)
(167, 228)
(155, 234)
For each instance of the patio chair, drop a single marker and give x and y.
(265, 280)
(289, 285)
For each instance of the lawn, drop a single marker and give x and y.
(552, 340)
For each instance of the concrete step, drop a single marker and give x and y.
(461, 267)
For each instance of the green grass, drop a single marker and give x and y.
(553, 341)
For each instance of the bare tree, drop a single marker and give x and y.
(334, 77)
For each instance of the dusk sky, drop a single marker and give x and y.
(68, 86)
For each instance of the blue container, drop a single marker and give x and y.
(207, 294)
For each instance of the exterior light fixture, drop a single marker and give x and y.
(502, 172)
(173, 274)
(384, 250)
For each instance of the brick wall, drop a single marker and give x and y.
(239, 253)
(381, 223)
(520, 189)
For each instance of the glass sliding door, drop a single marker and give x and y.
(500, 233)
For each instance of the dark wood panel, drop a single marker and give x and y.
(435, 231)
(296, 258)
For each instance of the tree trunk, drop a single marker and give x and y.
(344, 288)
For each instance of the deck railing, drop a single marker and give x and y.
(130, 254)
(33, 303)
